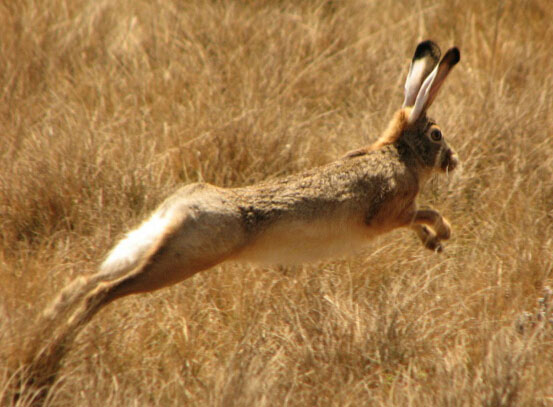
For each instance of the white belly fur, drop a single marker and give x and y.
(301, 242)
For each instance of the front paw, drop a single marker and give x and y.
(435, 245)
(431, 241)
(443, 231)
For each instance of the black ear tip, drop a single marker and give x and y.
(427, 48)
(453, 55)
(457, 54)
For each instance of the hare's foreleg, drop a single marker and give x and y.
(435, 220)
(428, 237)
(431, 227)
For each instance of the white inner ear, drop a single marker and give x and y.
(422, 96)
(413, 81)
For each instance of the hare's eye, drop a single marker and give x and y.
(436, 135)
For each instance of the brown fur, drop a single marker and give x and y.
(393, 132)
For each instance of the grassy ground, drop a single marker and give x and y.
(108, 106)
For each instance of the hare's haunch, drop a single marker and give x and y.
(321, 212)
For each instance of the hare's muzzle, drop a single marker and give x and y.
(450, 161)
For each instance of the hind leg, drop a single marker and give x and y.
(192, 230)
(84, 298)
(200, 233)
(187, 250)
(162, 270)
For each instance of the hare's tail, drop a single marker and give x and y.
(78, 302)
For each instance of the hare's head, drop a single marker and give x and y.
(411, 126)
(425, 139)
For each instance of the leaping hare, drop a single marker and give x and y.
(320, 212)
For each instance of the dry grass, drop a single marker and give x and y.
(108, 106)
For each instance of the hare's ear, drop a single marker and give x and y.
(425, 59)
(429, 89)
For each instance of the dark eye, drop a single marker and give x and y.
(436, 135)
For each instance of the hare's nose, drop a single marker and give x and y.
(453, 160)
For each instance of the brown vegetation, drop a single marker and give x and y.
(108, 106)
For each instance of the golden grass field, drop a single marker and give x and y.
(107, 106)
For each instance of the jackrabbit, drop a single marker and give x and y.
(321, 212)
